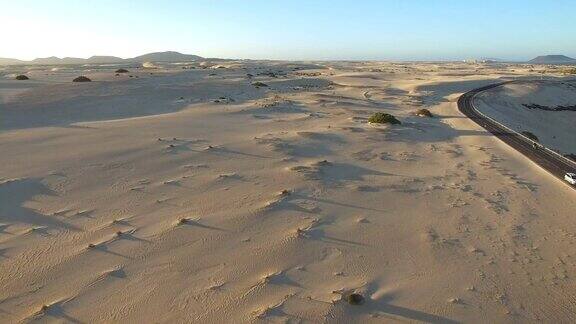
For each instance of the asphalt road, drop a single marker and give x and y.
(548, 161)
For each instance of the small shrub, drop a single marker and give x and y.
(530, 136)
(259, 84)
(423, 113)
(81, 79)
(355, 299)
(22, 77)
(121, 71)
(383, 118)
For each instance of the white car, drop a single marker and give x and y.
(570, 178)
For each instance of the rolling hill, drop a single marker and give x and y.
(165, 57)
(553, 59)
(9, 61)
(168, 56)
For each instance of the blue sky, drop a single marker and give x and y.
(296, 29)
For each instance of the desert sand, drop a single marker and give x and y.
(193, 196)
(545, 108)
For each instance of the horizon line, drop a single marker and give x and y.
(481, 58)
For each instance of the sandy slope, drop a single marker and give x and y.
(555, 129)
(432, 221)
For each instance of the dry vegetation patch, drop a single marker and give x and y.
(423, 113)
(82, 79)
(383, 118)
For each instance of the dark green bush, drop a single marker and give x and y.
(22, 77)
(383, 118)
(121, 71)
(355, 299)
(81, 79)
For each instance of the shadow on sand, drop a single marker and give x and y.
(13, 197)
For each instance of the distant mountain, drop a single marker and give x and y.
(45, 60)
(165, 57)
(104, 59)
(56, 60)
(552, 59)
(170, 57)
(9, 61)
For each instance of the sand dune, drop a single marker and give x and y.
(191, 195)
(546, 109)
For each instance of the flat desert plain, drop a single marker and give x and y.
(247, 191)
